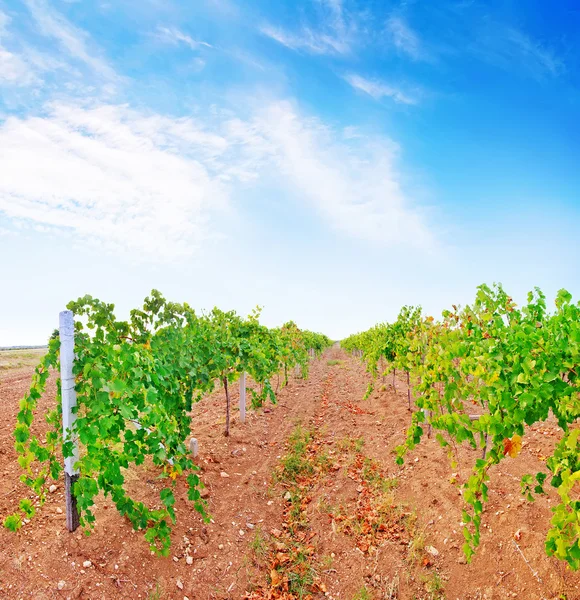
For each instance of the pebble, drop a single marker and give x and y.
(179, 584)
(52, 488)
(432, 550)
(221, 547)
(60, 585)
(242, 532)
(189, 560)
(87, 564)
(224, 474)
(59, 510)
(288, 496)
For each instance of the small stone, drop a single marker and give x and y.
(52, 488)
(60, 585)
(204, 493)
(189, 560)
(175, 559)
(462, 560)
(242, 532)
(250, 525)
(59, 510)
(179, 584)
(87, 564)
(221, 547)
(270, 502)
(432, 550)
(224, 474)
(185, 598)
(288, 496)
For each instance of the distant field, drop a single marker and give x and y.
(19, 358)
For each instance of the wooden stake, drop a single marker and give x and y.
(243, 397)
(69, 401)
(227, 431)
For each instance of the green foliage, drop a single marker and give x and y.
(516, 366)
(136, 381)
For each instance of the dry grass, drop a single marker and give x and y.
(18, 359)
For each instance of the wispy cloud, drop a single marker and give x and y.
(378, 89)
(71, 39)
(149, 185)
(405, 39)
(311, 41)
(331, 35)
(123, 179)
(508, 47)
(172, 35)
(351, 181)
(14, 70)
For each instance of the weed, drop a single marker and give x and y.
(434, 586)
(296, 464)
(363, 594)
(259, 544)
(416, 549)
(333, 362)
(326, 562)
(350, 444)
(156, 594)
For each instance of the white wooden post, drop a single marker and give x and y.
(243, 397)
(194, 447)
(69, 401)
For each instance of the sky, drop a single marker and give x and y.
(328, 160)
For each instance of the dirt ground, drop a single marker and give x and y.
(228, 558)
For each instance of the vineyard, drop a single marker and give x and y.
(420, 459)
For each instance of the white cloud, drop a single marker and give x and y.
(379, 89)
(334, 34)
(14, 70)
(172, 35)
(508, 47)
(72, 39)
(113, 176)
(148, 185)
(404, 38)
(311, 41)
(353, 184)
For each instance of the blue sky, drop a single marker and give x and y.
(329, 160)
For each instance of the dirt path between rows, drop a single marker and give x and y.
(218, 560)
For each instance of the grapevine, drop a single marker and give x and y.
(511, 366)
(136, 382)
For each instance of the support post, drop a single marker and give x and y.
(243, 397)
(194, 447)
(69, 401)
